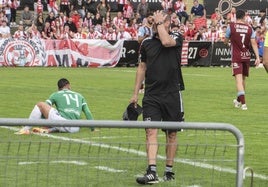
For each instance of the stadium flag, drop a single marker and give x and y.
(21, 52)
(184, 53)
(67, 53)
(79, 52)
(101, 53)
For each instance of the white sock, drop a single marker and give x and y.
(35, 114)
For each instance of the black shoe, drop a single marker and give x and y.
(169, 176)
(149, 178)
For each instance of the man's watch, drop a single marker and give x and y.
(159, 23)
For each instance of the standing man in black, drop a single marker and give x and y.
(65, 7)
(160, 58)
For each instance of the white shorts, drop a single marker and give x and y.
(54, 115)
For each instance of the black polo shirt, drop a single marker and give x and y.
(163, 73)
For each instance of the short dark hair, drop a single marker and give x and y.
(62, 82)
(149, 14)
(173, 25)
(240, 14)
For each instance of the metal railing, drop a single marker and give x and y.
(140, 124)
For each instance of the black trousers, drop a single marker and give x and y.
(13, 15)
(65, 9)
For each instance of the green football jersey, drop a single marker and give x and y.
(69, 104)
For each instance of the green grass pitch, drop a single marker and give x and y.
(207, 98)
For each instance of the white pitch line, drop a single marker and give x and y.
(198, 75)
(140, 153)
(104, 168)
(185, 74)
(114, 137)
(56, 162)
(111, 137)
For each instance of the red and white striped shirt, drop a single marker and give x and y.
(213, 36)
(118, 21)
(121, 2)
(110, 36)
(51, 3)
(81, 35)
(15, 4)
(19, 34)
(39, 7)
(63, 20)
(167, 5)
(179, 6)
(128, 11)
(35, 34)
(94, 35)
(65, 2)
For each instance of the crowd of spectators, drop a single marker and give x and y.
(86, 19)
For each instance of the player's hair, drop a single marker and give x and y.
(240, 14)
(62, 82)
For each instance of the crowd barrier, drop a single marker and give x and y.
(101, 53)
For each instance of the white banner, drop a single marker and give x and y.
(66, 53)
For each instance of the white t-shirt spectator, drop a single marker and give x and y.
(5, 31)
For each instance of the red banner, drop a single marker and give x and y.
(66, 53)
(102, 53)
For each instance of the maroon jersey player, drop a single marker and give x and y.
(241, 36)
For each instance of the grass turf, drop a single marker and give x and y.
(207, 98)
